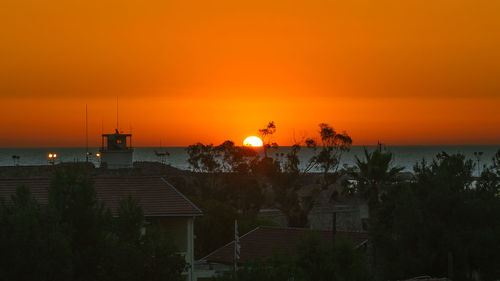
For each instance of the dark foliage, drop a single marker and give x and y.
(373, 175)
(328, 152)
(266, 136)
(315, 261)
(441, 224)
(73, 237)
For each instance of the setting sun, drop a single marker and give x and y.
(252, 141)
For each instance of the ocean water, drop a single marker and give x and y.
(404, 156)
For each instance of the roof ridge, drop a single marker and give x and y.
(231, 242)
(182, 195)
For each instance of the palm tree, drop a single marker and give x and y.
(374, 174)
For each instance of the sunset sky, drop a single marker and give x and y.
(402, 72)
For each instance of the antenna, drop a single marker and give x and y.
(86, 135)
(117, 113)
(102, 133)
(130, 124)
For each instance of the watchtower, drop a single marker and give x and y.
(118, 152)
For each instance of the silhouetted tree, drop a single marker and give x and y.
(286, 185)
(73, 237)
(292, 160)
(235, 159)
(266, 136)
(437, 221)
(373, 175)
(32, 244)
(489, 181)
(203, 158)
(328, 152)
(72, 199)
(228, 176)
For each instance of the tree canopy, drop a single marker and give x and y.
(443, 223)
(74, 237)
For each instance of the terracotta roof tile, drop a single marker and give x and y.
(264, 241)
(156, 196)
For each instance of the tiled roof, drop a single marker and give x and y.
(156, 196)
(264, 241)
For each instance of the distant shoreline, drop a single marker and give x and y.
(404, 156)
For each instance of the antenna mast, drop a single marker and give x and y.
(86, 135)
(102, 133)
(117, 113)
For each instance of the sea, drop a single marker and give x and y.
(404, 156)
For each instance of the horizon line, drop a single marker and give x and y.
(184, 146)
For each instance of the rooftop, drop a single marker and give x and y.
(156, 196)
(262, 242)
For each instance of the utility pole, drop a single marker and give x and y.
(478, 155)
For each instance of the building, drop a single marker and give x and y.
(115, 151)
(161, 202)
(262, 243)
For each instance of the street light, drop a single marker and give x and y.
(52, 157)
(98, 157)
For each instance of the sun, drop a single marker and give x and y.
(252, 141)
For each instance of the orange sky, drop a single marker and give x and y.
(402, 72)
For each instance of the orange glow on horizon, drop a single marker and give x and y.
(181, 122)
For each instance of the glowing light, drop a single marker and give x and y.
(98, 154)
(252, 141)
(50, 155)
